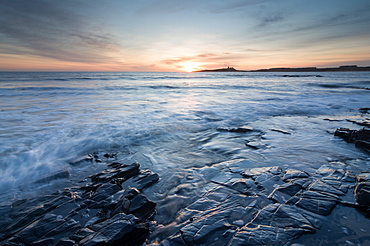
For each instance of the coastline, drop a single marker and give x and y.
(275, 170)
(349, 68)
(244, 202)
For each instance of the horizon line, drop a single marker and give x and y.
(179, 71)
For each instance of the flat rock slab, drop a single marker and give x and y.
(241, 205)
(261, 206)
(108, 210)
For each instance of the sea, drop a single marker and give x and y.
(170, 123)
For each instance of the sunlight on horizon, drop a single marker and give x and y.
(175, 36)
(190, 66)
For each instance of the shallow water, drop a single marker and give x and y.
(168, 123)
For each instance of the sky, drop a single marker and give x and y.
(182, 35)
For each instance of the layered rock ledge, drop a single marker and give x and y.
(259, 206)
(109, 210)
(241, 204)
(361, 138)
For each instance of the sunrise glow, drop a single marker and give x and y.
(153, 36)
(190, 66)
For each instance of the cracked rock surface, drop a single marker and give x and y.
(108, 210)
(259, 206)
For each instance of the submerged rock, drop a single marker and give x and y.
(109, 210)
(241, 129)
(84, 159)
(360, 122)
(364, 110)
(59, 175)
(281, 131)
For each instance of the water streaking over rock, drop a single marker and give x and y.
(222, 144)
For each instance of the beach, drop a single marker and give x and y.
(226, 158)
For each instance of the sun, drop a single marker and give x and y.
(190, 66)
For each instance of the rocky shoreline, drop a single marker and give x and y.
(108, 210)
(240, 205)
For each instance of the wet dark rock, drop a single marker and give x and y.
(360, 122)
(82, 160)
(265, 235)
(346, 134)
(258, 171)
(110, 155)
(255, 145)
(261, 206)
(268, 183)
(289, 188)
(239, 166)
(240, 205)
(81, 234)
(43, 242)
(281, 131)
(116, 165)
(348, 176)
(362, 192)
(333, 119)
(296, 75)
(125, 172)
(363, 177)
(59, 175)
(359, 137)
(283, 215)
(109, 210)
(241, 129)
(133, 202)
(38, 230)
(317, 206)
(321, 186)
(309, 194)
(121, 229)
(364, 110)
(284, 192)
(293, 174)
(198, 233)
(144, 179)
(363, 144)
(65, 242)
(104, 191)
(242, 185)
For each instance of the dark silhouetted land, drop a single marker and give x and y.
(347, 68)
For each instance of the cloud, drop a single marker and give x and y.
(356, 19)
(205, 55)
(214, 6)
(207, 59)
(285, 27)
(229, 6)
(52, 29)
(271, 19)
(176, 60)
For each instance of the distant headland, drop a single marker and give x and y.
(228, 69)
(346, 68)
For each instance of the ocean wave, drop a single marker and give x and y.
(46, 119)
(339, 85)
